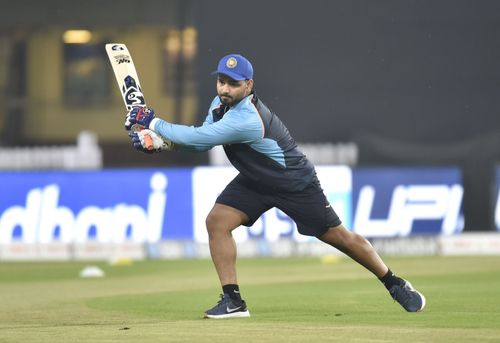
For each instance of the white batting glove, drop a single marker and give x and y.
(159, 143)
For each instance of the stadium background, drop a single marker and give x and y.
(396, 101)
(411, 84)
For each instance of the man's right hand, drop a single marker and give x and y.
(159, 143)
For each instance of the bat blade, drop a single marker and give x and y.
(128, 80)
(126, 75)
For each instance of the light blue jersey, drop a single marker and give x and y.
(241, 125)
(254, 139)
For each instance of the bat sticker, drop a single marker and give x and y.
(122, 59)
(132, 93)
(117, 47)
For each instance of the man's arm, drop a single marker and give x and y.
(236, 127)
(138, 115)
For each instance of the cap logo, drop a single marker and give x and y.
(231, 62)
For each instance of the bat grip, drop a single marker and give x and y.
(148, 141)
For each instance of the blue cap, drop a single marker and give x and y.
(236, 67)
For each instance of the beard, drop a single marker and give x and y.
(226, 100)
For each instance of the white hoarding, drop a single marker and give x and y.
(209, 182)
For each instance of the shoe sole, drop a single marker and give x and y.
(423, 301)
(240, 314)
(421, 296)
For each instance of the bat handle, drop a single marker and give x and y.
(148, 141)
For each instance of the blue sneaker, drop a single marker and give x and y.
(228, 308)
(408, 297)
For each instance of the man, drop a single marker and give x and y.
(272, 173)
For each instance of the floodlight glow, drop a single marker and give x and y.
(77, 36)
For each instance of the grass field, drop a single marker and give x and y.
(291, 300)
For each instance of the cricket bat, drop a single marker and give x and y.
(128, 81)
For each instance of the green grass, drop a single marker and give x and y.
(291, 300)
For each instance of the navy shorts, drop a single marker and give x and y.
(309, 207)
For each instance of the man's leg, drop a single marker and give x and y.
(221, 221)
(360, 250)
(356, 247)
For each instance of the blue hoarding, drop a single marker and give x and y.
(407, 201)
(149, 205)
(103, 206)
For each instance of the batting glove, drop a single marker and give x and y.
(159, 143)
(139, 116)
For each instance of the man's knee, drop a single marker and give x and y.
(224, 219)
(214, 222)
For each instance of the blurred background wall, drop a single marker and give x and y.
(409, 82)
